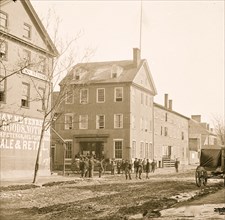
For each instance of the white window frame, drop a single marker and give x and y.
(120, 120)
(3, 49)
(27, 30)
(68, 125)
(97, 98)
(3, 17)
(69, 153)
(68, 97)
(97, 121)
(116, 97)
(141, 149)
(83, 121)
(114, 148)
(85, 101)
(25, 97)
(146, 150)
(134, 147)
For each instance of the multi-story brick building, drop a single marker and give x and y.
(200, 135)
(170, 135)
(110, 111)
(26, 58)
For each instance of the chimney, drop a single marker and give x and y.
(170, 104)
(166, 100)
(136, 56)
(208, 127)
(196, 118)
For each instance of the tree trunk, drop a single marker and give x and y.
(38, 152)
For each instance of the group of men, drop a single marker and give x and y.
(139, 166)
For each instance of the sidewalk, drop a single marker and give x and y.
(60, 178)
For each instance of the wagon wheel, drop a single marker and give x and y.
(198, 178)
(204, 178)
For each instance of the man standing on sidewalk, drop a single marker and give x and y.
(176, 165)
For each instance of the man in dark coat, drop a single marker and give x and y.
(128, 167)
(136, 167)
(147, 169)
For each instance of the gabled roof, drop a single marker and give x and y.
(200, 128)
(168, 110)
(40, 25)
(28, 6)
(100, 72)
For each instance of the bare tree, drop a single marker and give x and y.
(218, 123)
(54, 72)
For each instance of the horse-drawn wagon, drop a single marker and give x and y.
(212, 165)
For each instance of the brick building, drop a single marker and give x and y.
(26, 57)
(109, 111)
(170, 135)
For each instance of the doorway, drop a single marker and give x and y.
(92, 148)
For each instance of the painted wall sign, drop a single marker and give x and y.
(21, 133)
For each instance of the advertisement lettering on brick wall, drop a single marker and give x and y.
(21, 133)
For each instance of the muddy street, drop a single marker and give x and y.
(109, 197)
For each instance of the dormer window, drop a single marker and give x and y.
(114, 75)
(77, 76)
(116, 71)
(78, 73)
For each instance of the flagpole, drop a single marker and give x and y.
(140, 28)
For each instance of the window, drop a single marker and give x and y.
(27, 30)
(118, 146)
(68, 154)
(100, 95)
(2, 89)
(3, 19)
(146, 100)
(100, 121)
(42, 64)
(165, 131)
(42, 98)
(146, 150)
(25, 95)
(83, 96)
(83, 122)
(69, 97)
(182, 135)
(142, 150)
(133, 149)
(118, 94)
(166, 117)
(161, 130)
(3, 49)
(27, 56)
(68, 121)
(118, 121)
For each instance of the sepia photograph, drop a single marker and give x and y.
(112, 109)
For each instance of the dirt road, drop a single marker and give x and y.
(111, 197)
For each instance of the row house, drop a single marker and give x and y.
(170, 135)
(200, 135)
(26, 58)
(108, 111)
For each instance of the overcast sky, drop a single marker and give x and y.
(183, 42)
